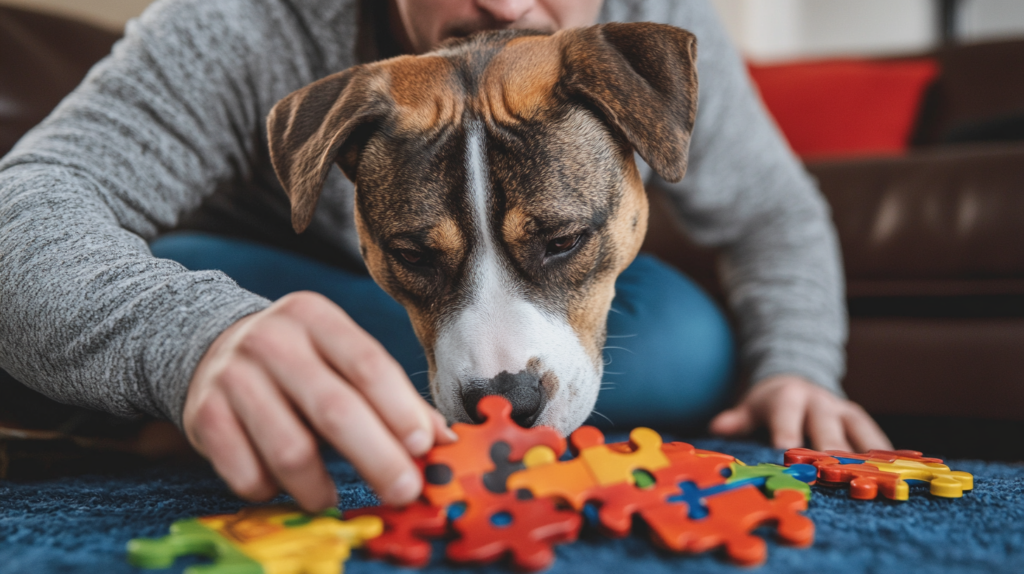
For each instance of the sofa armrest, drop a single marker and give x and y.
(42, 58)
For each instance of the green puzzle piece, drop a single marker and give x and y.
(187, 538)
(277, 539)
(770, 477)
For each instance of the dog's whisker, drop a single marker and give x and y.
(602, 415)
(614, 373)
(614, 310)
(620, 348)
(621, 336)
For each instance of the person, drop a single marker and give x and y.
(103, 308)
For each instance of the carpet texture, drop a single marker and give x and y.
(81, 524)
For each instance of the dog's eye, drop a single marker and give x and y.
(562, 244)
(414, 258)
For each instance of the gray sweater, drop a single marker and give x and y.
(170, 129)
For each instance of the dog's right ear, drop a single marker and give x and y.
(323, 123)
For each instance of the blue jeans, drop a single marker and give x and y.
(669, 357)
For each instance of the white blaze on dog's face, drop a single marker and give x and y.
(497, 198)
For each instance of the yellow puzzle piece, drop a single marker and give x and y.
(942, 481)
(260, 540)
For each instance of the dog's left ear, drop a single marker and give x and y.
(643, 78)
(319, 125)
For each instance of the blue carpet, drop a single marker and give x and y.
(81, 524)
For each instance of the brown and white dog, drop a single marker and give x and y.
(497, 196)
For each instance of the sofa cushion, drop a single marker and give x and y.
(42, 58)
(845, 107)
(981, 84)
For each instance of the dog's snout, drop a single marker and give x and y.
(522, 389)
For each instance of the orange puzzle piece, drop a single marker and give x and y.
(883, 471)
(732, 517)
(472, 454)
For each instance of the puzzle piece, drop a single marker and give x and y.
(865, 481)
(618, 503)
(882, 471)
(260, 540)
(575, 482)
(942, 481)
(772, 477)
(731, 518)
(612, 466)
(472, 455)
(494, 525)
(405, 531)
(883, 455)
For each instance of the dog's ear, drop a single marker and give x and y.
(642, 78)
(321, 124)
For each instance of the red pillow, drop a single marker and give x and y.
(845, 107)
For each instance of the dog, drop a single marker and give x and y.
(497, 197)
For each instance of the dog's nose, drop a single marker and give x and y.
(522, 389)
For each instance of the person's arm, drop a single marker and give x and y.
(747, 194)
(90, 317)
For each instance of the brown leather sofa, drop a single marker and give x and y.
(933, 249)
(933, 242)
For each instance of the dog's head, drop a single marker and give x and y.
(497, 197)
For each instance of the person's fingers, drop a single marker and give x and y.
(825, 426)
(443, 434)
(735, 421)
(863, 431)
(352, 427)
(340, 414)
(366, 365)
(786, 419)
(284, 444)
(220, 438)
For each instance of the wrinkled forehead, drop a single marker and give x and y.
(541, 155)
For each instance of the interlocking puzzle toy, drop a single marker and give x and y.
(261, 540)
(497, 524)
(772, 477)
(729, 519)
(882, 471)
(502, 490)
(471, 475)
(491, 450)
(406, 531)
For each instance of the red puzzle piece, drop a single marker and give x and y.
(572, 482)
(470, 456)
(498, 524)
(732, 517)
(405, 530)
(620, 502)
(865, 481)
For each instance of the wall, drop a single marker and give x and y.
(787, 29)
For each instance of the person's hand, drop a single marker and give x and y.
(792, 407)
(274, 381)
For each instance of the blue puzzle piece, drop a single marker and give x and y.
(694, 497)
